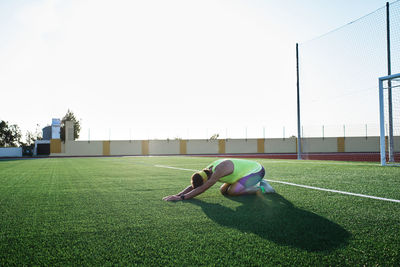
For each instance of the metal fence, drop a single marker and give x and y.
(340, 130)
(339, 71)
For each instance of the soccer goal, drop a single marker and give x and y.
(389, 113)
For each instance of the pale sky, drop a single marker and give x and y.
(160, 68)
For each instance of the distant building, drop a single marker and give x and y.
(50, 134)
(55, 128)
(46, 133)
(53, 131)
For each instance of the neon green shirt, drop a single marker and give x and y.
(242, 168)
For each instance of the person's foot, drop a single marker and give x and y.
(266, 187)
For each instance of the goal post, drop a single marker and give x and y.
(389, 117)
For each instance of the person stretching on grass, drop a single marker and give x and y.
(240, 177)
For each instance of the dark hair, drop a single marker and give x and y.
(197, 180)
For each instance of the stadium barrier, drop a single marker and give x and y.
(364, 148)
(11, 152)
(220, 146)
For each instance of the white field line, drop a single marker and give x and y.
(299, 185)
(321, 162)
(336, 191)
(175, 168)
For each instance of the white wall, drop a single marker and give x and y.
(126, 147)
(361, 144)
(202, 147)
(157, 147)
(396, 143)
(241, 146)
(232, 146)
(10, 151)
(279, 145)
(326, 145)
(84, 148)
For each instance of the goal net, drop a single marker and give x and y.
(389, 112)
(338, 74)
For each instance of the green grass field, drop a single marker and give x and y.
(109, 211)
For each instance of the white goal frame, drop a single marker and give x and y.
(382, 117)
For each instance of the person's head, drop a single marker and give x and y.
(200, 177)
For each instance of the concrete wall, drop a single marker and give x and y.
(280, 145)
(396, 143)
(125, 147)
(202, 147)
(361, 144)
(221, 146)
(10, 151)
(230, 146)
(164, 147)
(241, 146)
(83, 148)
(312, 145)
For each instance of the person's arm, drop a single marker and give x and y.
(184, 191)
(199, 190)
(223, 169)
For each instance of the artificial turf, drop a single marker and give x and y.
(109, 211)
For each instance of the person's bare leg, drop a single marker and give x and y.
(237, 189)
(224, 188)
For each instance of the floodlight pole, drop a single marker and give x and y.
(298, 105)
(390, 106)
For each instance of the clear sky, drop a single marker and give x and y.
(160, 67)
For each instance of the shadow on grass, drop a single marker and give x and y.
(274, 218)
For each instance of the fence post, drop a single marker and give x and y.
(298, 104)
(344, 131)
(283, 132)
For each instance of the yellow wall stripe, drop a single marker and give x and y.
(221, 146)
(260, 145)
(106, 148)
(145, 147)
(182, 147)
(340, 144)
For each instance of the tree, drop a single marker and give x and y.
(31, 137)
(70, 116)
(10, 135)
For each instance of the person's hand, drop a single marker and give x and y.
(172, 198)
